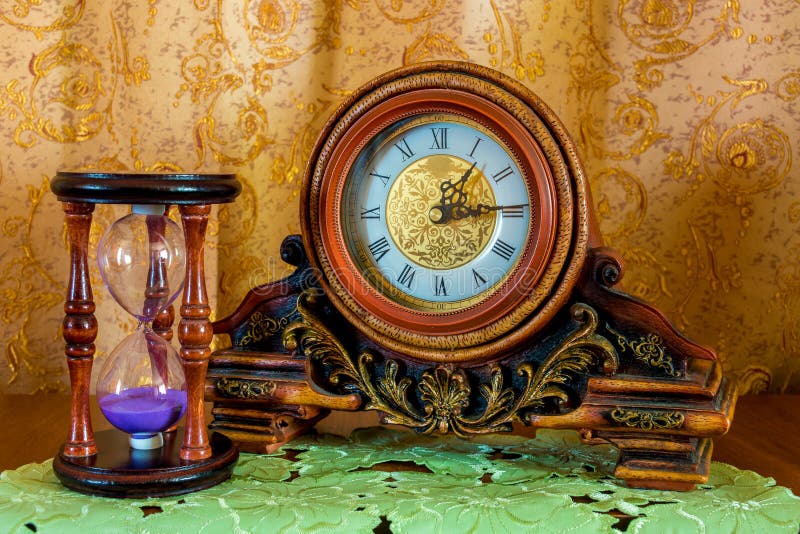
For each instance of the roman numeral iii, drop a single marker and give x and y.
(503, 249)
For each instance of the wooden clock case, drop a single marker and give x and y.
(586, 356)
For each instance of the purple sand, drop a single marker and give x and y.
(139, 411)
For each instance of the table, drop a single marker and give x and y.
(765, 436)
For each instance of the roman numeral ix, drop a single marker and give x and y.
(382, 177)
(374, 213)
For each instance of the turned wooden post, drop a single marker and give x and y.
(162, 324)
(195, 331)
(80, 330)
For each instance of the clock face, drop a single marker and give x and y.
(439, 211)
(436, 212)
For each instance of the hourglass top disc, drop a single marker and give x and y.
(145, 188)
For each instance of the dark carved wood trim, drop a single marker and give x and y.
(292, 252)
(145, 188)
(604, 270)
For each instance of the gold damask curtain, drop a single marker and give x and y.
(686, 114)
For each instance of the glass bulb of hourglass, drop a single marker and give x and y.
(141, 388)
(142, 261)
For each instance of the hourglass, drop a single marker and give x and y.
(141, 388)
(145, 386)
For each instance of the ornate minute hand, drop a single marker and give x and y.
(481, 209)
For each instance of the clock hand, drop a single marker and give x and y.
(444, 213)
(453, 193)
(481, 209)
(453, 198)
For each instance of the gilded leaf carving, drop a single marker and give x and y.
(647, 419)
(441, 400)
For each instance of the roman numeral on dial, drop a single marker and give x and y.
(512, 212)
(477, 278)
(382, 177)
(404, 149)
(374, 213)
(503, 249)
(379, 248)
(439, 138)
(474, 147)
(407, 276)
(439, 286)
(505, 173)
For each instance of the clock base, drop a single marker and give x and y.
(264, 430)
(607, 365)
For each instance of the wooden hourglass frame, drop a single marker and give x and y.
(103, 463)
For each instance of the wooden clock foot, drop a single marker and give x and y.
(263, 400)
(264, 430)
(657, 462)
(642, 466)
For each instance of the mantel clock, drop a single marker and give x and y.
(450, 275)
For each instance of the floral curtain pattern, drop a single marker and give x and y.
(685, 114)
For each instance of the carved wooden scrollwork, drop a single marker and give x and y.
(441, 400)
(647, 419)
(245, 389)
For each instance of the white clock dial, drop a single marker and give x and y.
(436, 212)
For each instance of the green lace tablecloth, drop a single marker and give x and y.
(493, 484)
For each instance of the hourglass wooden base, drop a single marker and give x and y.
(119, 471)
(104, 464)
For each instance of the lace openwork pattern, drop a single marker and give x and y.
(382, 480)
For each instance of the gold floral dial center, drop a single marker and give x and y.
(416, 191)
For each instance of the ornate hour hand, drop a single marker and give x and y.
(453, 199)
(453, 193)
